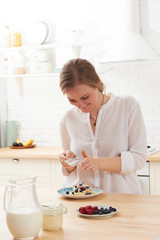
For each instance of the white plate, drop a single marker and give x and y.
(63, 191)
(95, 215)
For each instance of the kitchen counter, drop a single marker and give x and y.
(49, 153)
(138, 218)
(34, 153)
(155, 157)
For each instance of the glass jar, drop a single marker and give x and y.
(7, 37)
(17, 41)
(53, 215)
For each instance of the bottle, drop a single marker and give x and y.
(7, 37)
(17, 40)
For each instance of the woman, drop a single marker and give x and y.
(106, 131)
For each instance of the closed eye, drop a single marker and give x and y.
(85, 97)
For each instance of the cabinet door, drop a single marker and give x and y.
(155, 178)
(12, 168)
(56, 173)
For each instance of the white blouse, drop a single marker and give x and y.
(120, 130)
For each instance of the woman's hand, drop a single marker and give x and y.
(63, 157)
(88, 162)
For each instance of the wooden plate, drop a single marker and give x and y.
(23, 147)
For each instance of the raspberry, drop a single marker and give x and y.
(95, 208)
(82, 210)
(89, 211)
(89, 207)
(82, 188)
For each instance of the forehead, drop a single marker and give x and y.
(79, 91)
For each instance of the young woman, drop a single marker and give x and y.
(105, 131)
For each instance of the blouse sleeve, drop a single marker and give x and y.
(65, 139)
(135, 157)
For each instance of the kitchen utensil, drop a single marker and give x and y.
(23, 212)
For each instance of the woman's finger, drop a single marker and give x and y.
(84, 155)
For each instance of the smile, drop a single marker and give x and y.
(83, 108)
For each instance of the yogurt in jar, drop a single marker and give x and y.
(53, 215)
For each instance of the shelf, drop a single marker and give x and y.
(30, 75)
(45, 46)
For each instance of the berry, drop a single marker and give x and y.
(82, 210)
(114, 209)
(67, 192)
(95, 208)
(89, 207)
(90, 211)
(82, 188)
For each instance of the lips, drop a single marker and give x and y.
(84, 108)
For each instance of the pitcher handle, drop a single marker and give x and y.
(65, 209)
(6, 191)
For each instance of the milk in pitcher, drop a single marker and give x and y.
(24, 222)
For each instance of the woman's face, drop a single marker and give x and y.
(83, 96)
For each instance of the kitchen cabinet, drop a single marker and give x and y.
(43, 162)
(154, 161)
(31, 162)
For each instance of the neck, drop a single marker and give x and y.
(100, 103)
(94, 114)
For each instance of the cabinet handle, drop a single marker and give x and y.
(15, 160)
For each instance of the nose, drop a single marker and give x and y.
(81, 104)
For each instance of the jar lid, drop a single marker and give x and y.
(52, 208)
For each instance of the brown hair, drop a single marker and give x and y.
(79, 71)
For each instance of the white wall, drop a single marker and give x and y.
(41, 106)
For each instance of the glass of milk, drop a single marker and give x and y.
(23, 212)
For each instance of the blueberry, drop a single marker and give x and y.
(73, 193)
(76, 190)
(67, 192)
(101, 209)
(96, 212)
(100, 212)
(106, 211)
(80, 184)
(87, 193)
(114, 209)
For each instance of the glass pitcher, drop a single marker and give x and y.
(23, 212)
